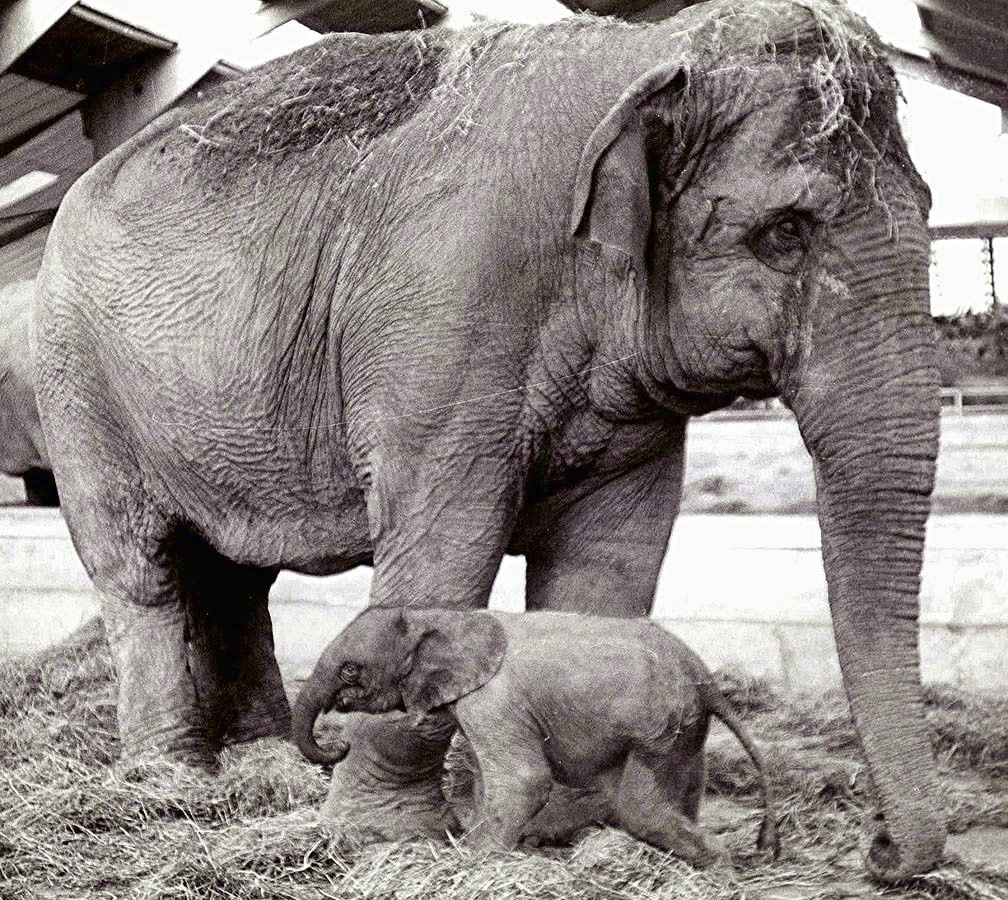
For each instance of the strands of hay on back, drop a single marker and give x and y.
(345, 90)
(74, 824)
(342, 89)
(339, 94)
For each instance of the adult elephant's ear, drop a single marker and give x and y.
(612, 193)
(455, 654)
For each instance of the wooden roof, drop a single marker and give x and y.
(77, 78)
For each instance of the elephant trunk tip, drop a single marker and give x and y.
(324, 756)
(887, 863)
(311, 702)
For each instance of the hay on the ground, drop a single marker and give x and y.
(74, 823)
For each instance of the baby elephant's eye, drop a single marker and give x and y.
(349, 673)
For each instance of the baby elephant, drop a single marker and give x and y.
(618, 704)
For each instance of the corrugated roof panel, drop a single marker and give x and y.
(967, 43)
(80, 53)
(25, 104)
(373, 16)
(971, 35)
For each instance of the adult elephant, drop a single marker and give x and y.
(423, 300)
(22, 449)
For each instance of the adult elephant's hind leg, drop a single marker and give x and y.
(145, 622)
(230, 646)
(40, 488)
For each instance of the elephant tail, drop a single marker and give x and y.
(768, 840)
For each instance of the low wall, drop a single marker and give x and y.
(743, 590)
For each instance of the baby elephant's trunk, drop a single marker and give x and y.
(314, 699)
(768, 840)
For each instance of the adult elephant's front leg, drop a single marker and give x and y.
(193, 648)
(601, 553)
(230, 648)
(439, 528)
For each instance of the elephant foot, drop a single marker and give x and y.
(266, 715)
(252, 729)
(389, 784)
(187, 743)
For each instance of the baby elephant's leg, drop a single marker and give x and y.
(648, 804)
(513, 784)
(567, 811)
(691, 782)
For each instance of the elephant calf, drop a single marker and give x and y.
(618, 704)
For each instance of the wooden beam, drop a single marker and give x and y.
(974, 230)
(131, 32)
(133, 101)
(22, 22)
(989, 90)
(16, 227)
(990, 15)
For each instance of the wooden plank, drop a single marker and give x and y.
(129, 104)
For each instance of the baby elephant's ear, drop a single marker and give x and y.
(456, 654)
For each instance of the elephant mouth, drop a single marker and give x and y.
(697, 404)
(349, 700)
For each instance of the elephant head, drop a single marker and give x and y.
(398, 659)
(755, 204)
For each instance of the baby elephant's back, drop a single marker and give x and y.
(618, 680)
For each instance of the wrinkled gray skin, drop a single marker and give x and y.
(617, 704)
(22, 448)
(466, 309)
(378, 750)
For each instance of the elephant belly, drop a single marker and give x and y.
(578, 762)
(307, 538)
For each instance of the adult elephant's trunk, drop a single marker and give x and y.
(867, 402)
(316, 697)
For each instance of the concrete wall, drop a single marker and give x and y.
(743, 590)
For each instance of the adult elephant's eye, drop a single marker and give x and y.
(349, 673)
(781, 243)
(787, 233)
